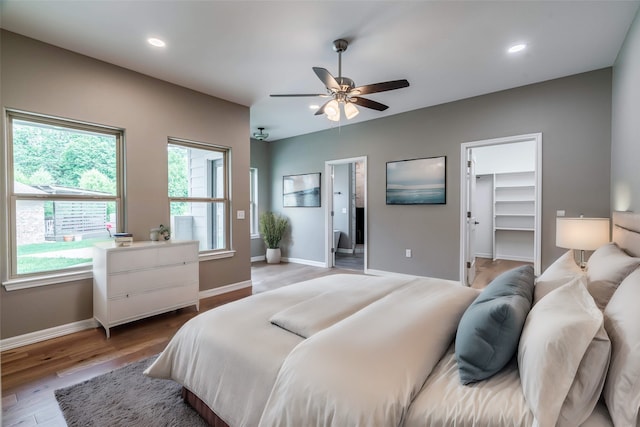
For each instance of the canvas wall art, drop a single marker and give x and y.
(417, 181)
(301, 190)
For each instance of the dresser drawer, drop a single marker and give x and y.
(131, 259)
(138, 306)
(135, 282)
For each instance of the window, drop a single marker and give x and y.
(253, 200)
(64, 192)
(199, 193)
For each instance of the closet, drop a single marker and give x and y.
(505, 201)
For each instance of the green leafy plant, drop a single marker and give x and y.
(272, 228)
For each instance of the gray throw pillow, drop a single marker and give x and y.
(489, 330)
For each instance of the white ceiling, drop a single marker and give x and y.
(242, 51)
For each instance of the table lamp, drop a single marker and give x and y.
(583, 234)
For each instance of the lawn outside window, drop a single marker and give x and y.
(64, 193)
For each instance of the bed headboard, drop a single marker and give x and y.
(626, 231)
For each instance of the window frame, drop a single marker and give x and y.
(254, 228)
(13, 280)
(225, 199)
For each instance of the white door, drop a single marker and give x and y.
(471, 222)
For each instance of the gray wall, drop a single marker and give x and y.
(625, 136)
(573, 114)
(41, 78)
(260, 159)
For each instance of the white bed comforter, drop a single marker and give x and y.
(230, 356)
(366, 369)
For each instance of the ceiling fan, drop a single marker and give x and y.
(343, 91)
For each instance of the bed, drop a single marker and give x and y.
(398, 351)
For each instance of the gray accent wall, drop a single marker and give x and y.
(260, 159)
(625, 135)
(42, 78)
(573, 114)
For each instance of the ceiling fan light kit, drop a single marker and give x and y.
(343, 90)
(260, 135)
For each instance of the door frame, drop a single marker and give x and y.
(328, 188)
(464, 148)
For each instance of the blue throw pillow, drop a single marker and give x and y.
(489, 330)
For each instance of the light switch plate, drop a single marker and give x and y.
(240, 215)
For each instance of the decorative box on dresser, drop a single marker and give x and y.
(144, 279)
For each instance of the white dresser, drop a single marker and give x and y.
(144, 279)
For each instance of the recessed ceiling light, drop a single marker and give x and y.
(517, 48)
(314, 107)
(156, 42)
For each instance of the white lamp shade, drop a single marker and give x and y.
(582, 233)
(332, 110)
(350, 110)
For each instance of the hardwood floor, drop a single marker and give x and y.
(30, 374)
(487, 270)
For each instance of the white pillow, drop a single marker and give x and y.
(563, 356)
(622, 321)
(607, 267)
(557, 274)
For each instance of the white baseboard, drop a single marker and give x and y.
(224, 289)
(488, 255)
(344, 251)
(258, 258)
(47, 334)
(304, 262)
(70, 328)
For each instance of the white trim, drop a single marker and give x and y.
(206, 256)
(53, 279)
(224, 289)
(344, 251)
(328, 195)
(70, 328)
(256, 236)
(46, 334)
(304, 262)
(537, 137)
(36, 281)
(258, 258)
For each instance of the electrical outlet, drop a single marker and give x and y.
(407, 253)
(560, 213)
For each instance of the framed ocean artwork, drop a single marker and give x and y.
(301, 190)
(417, 181)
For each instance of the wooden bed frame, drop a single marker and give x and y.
(201, 408)
(625, 233)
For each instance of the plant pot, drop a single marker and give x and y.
(273, 256)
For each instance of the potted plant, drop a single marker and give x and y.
(272, 228)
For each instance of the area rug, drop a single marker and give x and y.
(126, 397)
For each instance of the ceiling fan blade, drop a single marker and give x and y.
(379, 87)
(298, 94)
(326, 78)
(321, 109)
(364, 102)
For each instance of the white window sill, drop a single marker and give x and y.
(256, 236)
(53, 279)
(44, 280)
(206, 256)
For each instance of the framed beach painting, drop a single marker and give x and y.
(417, 181)
(301, 190)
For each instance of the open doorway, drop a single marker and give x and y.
(500, 203)
(346, 213)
